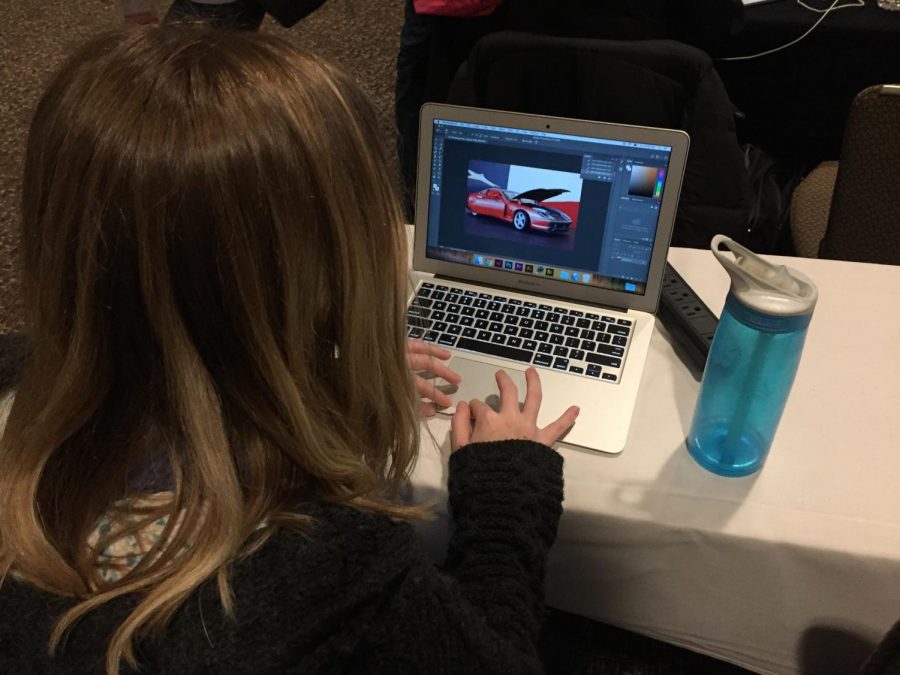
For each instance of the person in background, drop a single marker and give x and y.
(203, 454)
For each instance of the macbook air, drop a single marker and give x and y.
(547, 238)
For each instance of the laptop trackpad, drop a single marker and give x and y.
(478, 381)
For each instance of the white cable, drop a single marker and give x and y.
(823, 12)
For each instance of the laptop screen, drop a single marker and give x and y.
(572, 208)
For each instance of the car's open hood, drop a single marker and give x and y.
(540, 194)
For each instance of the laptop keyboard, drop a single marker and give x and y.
(546, 336)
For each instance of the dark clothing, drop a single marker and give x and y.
(242, 14)
(360, 595)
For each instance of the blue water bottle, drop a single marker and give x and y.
(752, 361)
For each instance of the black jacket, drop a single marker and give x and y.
(358, 596)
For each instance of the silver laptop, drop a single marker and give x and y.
(548, 240)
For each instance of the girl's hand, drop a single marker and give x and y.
(476, 422)
(427, 357)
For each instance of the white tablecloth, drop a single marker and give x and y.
(746, 569)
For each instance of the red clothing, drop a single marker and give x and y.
(456, 7)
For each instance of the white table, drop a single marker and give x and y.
(745, 569)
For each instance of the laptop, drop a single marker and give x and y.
(547, 238)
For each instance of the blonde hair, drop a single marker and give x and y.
(214, 265)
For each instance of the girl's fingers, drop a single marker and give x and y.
(460, 426)
(554, 431)
(427, 389)
(533, 395)
(509, 395)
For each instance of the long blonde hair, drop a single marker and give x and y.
(214, 265)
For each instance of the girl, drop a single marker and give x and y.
(201, 466)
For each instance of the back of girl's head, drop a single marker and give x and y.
(213, 262)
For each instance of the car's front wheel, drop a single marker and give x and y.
(521, 221)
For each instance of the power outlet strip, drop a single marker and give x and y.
(690, 322)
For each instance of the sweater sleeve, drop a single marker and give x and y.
(482, 613)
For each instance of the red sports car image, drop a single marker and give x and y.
(524, 209)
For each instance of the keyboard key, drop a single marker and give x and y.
(482, 314)
(453, 309)
(553, 317)
(572, 342)
(430, 336)
(546, 308)
(557, 328)
(483, 335)
(541, 325)
(576, 313)
(588, 345)
(556, 339)
(567, 320)
(588, 335)
(531, 304)
(485, 296)
(583, 323)
(500, 298)
(424, 293)
(513, 301)
(572, 331)
(541, 336)
(471, 294)
(523, 311)
(454, 330)
(437, 295)
(618, 330)
(560, 310)
(470, 332)
(494, 306)
(602, 360)
(577, 370)
(479, 304)
(495, 327)
(465, 301)
(426, 284)
(529, 344)
(598, 326)
(592, 317)
(609, 350)
(624, 322)
(538, 315)
(452, 318)
(525, 332)
(481, 324)
(468, 311)
(422, 302)
(612, 377)
(440, 326)
(561, 351)
(545, 348)
(510, 330)
(498, 339)
(593, 371)
(542, 360)
(608, 319)
(526, 323)
(416, 333)
(604, 337)
(511, 319)
(620, 340)
(496, 316)
(514, 342)
(438, 316)
(443, 288)
(493, 349)
(418, 311)
(561, 364)
(447, 340)
(576, 355)
(466, 321)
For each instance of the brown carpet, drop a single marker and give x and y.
(36, 35)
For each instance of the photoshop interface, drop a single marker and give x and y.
(578, 209)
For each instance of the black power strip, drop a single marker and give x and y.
(689, 321)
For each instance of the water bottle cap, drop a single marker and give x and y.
(768, 288)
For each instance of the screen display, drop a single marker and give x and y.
(571, 208)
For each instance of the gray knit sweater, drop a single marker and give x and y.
(359, 596)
